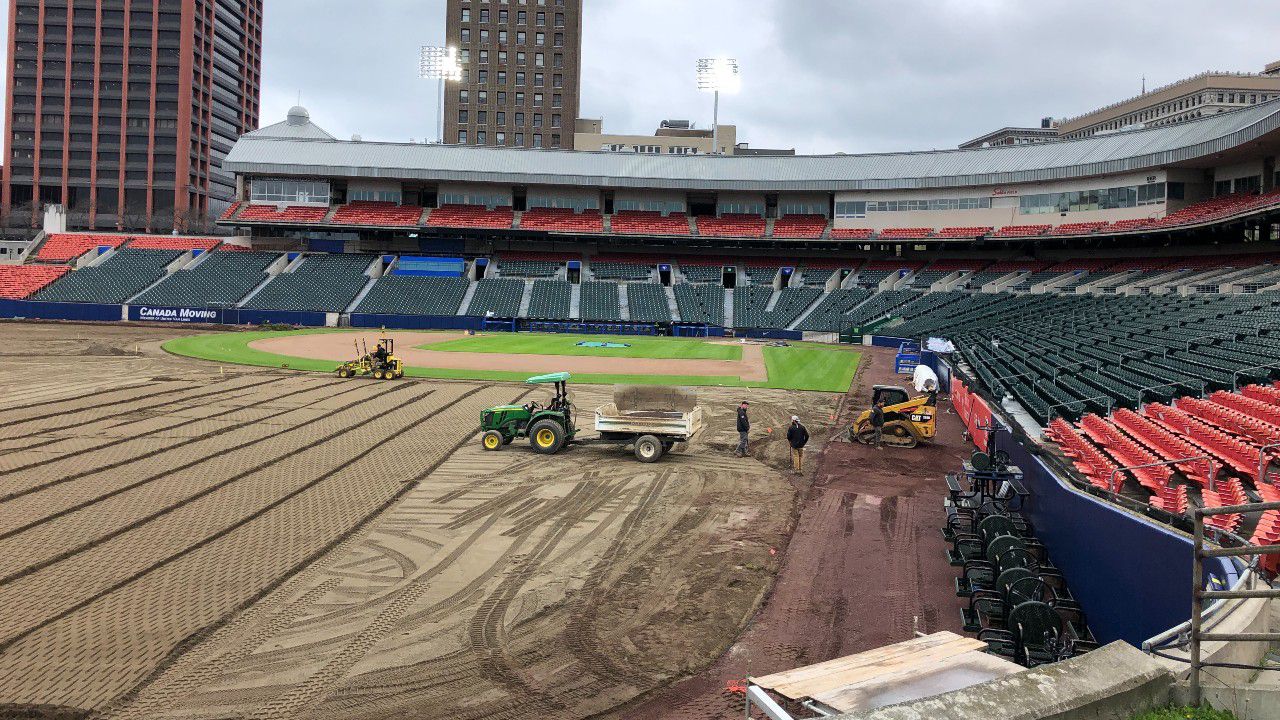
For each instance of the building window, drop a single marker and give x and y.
(481, 139)
(540, 38)
(502, 77)
(555, 121)
(462, 117)
(519, 37)
(539, 60)
(520, 79)
(519, 118)
(500, 138)
(462, 137)
(272, 190)
(502, 97)
(521, 58)
(557, 100)
(464, 96)
(482, 77)
(482, 117)
(851, 209)
(537, 120)
(559, 19)
(538, 80)
(559, 39)
(522, 17)
(482, 96)
(484, 15)
(537, 99)
(466, 15)
(555, 140)
(519, 139)
(537, 140)
(502, 118)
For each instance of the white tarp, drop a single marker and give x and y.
(924, 378)
(939, 345)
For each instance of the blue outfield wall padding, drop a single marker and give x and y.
(60, 311)
(417, 322)
(889, 341)
(1131, 574)
(766, 334)
(280, 317)
(325, 245)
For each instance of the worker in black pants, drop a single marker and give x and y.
(797, 437)
(877, 424)
(744, 426)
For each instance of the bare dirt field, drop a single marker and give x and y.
(180, 542)
(337, 347)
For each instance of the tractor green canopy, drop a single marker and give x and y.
(549, 378)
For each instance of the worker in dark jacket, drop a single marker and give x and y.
(744, 426)
(877, 424)
(797, 437)
(380, 355)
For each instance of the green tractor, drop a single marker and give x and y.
(549, 428)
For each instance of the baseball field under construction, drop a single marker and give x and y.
(181, 538)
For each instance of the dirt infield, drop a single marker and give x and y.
(337, 347)
(178, 542)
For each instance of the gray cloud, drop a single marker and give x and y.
(818, 75)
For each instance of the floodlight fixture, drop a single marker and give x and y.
(440, 64)
(717, 75)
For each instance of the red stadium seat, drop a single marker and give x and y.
(1021, 230)
(291, 214)
(1080, 228)
(731, 225)
(917, 233)
(800, 226)
(471, 216)
(69, 246)
(377, 214)
(173, 242)
(852, 233)
(562, 220)
(646, 222)
(20, 281)
(964, 232)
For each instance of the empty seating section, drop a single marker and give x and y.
(377, 214)
(19, 281)
(287, 214)
(703, 273)
(750, 303)
(800, 226)
(1079, 228)
(220, 278)
(905, 233)
(600, 301)
(231, 211)
(831, 315)
(550, 300)
(761, 274)
(731, 225)
(529, 268)
(852, 233)
(700, 303)
(116, 279)
(471, 216)
(562, 220)
(645, 222)
(1021, 231)
(69, 246)
(414, 295)
(320, 283)
(613, 269)
(971, 231)
(500, 296)
(1218, 208)
(173, 242)
(647, 302)
(876, 271)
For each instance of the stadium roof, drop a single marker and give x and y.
(302, 149)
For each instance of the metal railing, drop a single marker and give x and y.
(1083, 403)
(1235, 376)
(1199, 595)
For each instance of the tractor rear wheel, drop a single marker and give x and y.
(342, 372)
(492, 440)
(377, 374)
(546, 437)
(648, 448)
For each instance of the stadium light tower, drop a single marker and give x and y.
(716, 75)
(439, 64)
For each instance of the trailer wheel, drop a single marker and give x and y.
(492, 440)
(546, 437)
(648, 448)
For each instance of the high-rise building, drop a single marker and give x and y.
(521, 65)
(122, 110)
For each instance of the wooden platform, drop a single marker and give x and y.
(904, 671)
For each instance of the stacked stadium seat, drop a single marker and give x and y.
(500, 296)
(647, 302)
(321, 283)
(221, 278)
(600, 301)
(69, 246)
(1218, 208)
(831, 314)
(750, 303)
(231, 211)
(19, 281)
(118, 278)
(731, 225)
(528, 268)
(800, 226)
(414, 295)
(550, 300)
(377, 214)
(614, 269)
(471, 216)
(293, 214)
(972, 231)
(700, 303)
(646, 222)
(562, 220)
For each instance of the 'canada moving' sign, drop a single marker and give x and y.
(167, 314)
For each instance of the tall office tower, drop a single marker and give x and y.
(122, 110)
(521, 62)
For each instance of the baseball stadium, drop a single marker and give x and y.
(450, 431)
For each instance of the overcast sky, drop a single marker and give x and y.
(818, 75)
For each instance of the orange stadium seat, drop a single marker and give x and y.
(289, 214)
(562, 220)
(731, 225)
(69, 246)
(20, 281)
(471, 216)
(800, 226)
(648, 222)
(377, 214)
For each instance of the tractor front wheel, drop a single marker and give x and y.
(546, 437)
(492, 440)
(648, 449)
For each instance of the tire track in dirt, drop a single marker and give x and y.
(137, 436)
(108, 404)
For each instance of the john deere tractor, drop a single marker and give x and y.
(381, 364)
(907, 421)
(549, 427)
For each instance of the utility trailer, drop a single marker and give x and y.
(651, 418)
